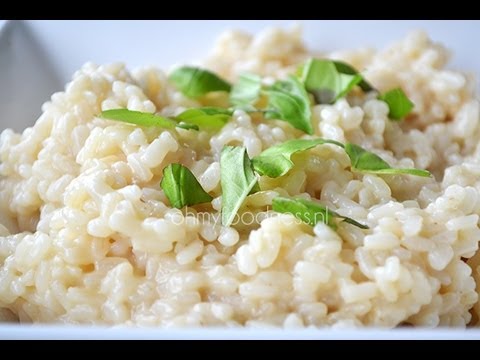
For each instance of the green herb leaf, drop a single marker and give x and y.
(398, 103)
(365, 161)
(326, 82)
(144, 119)
(206, 117)
(310, 212)
(246, 90)
(288, 101)
(138, 118)
(184, 125)
(194, 82)
(276, 161)
(237, 179)
(351, 221)
(181, 187)
(347, 69)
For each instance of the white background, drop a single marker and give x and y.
(69, 44)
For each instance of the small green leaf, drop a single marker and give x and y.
(362, 159)
(398, 103)
(365, 161)
(181, 187)
(237, 179)
(326, 82)
(246, 90)
(351, 221)
(347, 69)
(184, 125)
(138, 118)
(194, 82)
(276, 160)
(288, 101)
(144, 119)
(206, 117)
(408, 171)
(310, 212)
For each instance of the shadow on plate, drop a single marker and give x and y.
(27, 77)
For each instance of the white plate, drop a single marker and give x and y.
(38, 57)
(72, 332)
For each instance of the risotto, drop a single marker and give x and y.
(181, 198)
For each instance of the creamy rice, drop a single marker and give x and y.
(88, 235)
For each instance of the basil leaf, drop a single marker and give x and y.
(246, 90)
(138, 118)
(206, 117)
(194, 82)
(310, 212)
(326, 82)
(347, 69)
(365, 161)
(237, 179)
(184, 125)
(181, 187)
(288, 101)
(398, 103)
(351, 221)
(144, 119)
(276, 161)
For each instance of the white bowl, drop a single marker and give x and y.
(37, 58)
